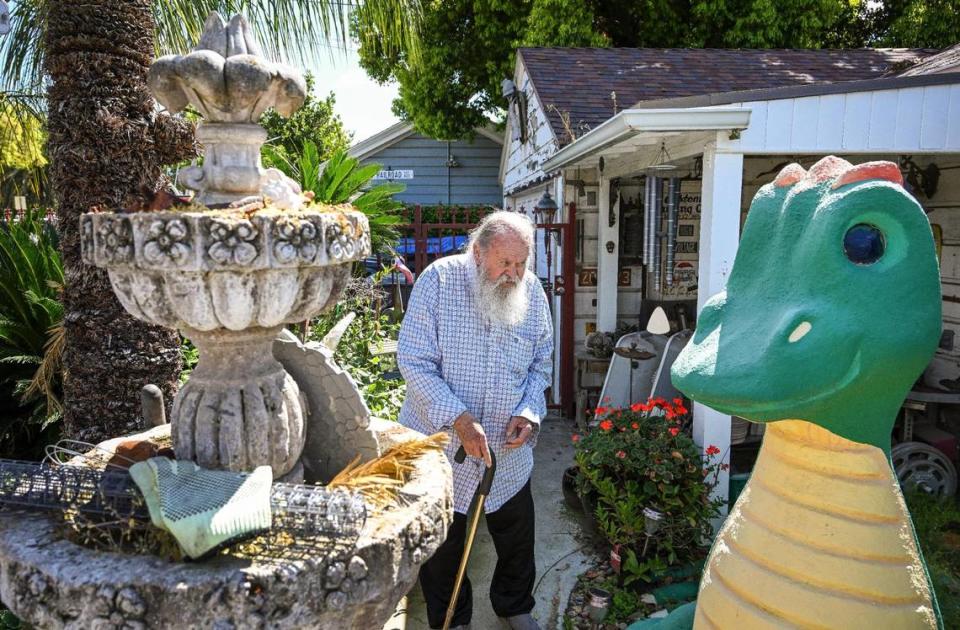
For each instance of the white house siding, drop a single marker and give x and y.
(522, 164)
(907, 120)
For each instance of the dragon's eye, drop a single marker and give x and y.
(863, 244)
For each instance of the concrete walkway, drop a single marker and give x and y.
(562, 548)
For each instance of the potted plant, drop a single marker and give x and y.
(639, 466)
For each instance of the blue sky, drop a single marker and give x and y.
(363, 105)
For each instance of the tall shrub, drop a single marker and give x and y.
(31, 334)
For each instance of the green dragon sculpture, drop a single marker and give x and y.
(831, 311)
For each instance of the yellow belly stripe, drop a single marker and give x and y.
(820, 538)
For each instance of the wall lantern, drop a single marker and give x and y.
(924, 180)
(546, 209)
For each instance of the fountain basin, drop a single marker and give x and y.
(52, 582)
(225, 269)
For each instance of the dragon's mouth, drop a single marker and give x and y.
(781, 409)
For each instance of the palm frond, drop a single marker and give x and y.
(21, 50)
(296, 31)
(46, 380)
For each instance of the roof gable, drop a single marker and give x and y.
(397, 132)
(579, 81)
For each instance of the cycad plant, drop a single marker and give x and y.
(342, 179)
(31, 334)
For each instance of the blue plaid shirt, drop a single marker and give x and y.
(454, 360)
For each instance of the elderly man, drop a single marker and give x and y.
(475, 352)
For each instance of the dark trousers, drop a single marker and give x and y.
(511, 590)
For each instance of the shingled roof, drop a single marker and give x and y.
(947, 60)
(579, 81)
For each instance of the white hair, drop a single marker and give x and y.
(502, 223)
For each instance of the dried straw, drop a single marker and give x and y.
(380, 479)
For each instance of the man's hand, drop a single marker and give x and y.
(519, 431)
(472, 436)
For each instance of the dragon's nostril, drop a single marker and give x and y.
(800, 331)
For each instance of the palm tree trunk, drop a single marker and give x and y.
(106, 147)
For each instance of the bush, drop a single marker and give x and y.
(639, 458)
(375, 375)
(937, 523)
(31, 326)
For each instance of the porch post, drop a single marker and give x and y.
(719, 237)
(606, 261)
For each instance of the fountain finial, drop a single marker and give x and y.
(226, 77)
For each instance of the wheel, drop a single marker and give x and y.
(922, 466)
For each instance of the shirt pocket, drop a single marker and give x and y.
(516, 356)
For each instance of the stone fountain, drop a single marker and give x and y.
(251, 253)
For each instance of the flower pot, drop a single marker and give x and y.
(570, 496)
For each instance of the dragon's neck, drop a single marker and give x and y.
(820, 537)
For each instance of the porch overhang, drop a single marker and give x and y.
(631, 123)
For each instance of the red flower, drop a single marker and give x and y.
(635, 426)
(636, 407)
(674, 431)
(600, 411)
(575, 438)
(678, 401)
(670, 414)
(660, 402)
(621, 454)
(680, 409)
(712, 450)
(606, 425)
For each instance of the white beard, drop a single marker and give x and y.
(499, 302)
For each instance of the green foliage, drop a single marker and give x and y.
(9, 621)
(21, 138)
(315, 123)
(937, 523)
(189, 356)
(23, 165)
(468, 47)
(624, 603)
(370, 328)
(344, 180)
(766, 23)
(31, 275)
(562, 23)
(639, 458)
(341, 180)
(917, 23)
